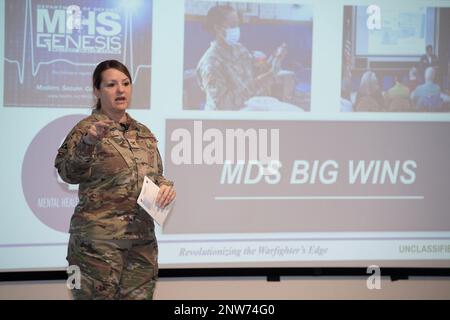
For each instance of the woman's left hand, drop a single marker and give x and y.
(165, 195)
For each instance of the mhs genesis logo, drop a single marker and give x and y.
(72, 29)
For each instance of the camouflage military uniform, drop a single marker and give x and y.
(112, 238)
(226, 75)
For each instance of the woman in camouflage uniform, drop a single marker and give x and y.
(108, 154)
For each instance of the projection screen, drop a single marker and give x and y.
(339, 161)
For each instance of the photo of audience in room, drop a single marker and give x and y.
(401, 65)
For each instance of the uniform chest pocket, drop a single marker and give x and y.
(114, 154)
(148, 144)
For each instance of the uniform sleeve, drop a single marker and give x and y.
(74, 158)
(214, 83)
(160, 179)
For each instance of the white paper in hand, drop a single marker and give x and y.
(147, 200)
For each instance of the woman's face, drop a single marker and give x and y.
(115, 91)
(231, 21)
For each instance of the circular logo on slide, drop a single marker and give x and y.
(50, 198)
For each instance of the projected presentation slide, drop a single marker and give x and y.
(395, 59)
(54, 45)
(394, 30)
(270, 70)
(344, 165)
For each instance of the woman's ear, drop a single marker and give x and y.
(220, 32)
(96, 93)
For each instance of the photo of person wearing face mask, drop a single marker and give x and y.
(247, 56)
(226, 71)
(229, 75)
